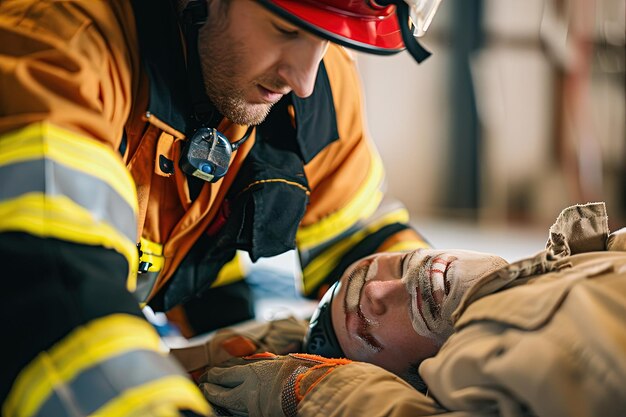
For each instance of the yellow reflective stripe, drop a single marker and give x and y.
(152, 252)
(61, 218)
(406, 246)
(84, 347)
(363, 205)
(322, 265)
(151, 247)
(233, 271)
(69, 148)
(174, 391)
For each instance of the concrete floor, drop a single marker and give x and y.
(510, 242)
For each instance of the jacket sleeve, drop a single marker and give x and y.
(76, 342)
(348, 216)
(363, 389)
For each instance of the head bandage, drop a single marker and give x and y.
(430, 317)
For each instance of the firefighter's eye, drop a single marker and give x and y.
(286, 31)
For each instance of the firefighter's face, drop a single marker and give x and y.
(251, 58)
(394, 309)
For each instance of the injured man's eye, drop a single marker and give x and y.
(394, 309)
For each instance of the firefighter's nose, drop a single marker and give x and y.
(299, 69)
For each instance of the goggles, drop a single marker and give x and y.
(421, 13)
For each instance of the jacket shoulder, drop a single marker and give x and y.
(62, 21)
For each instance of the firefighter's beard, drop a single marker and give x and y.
(223, 62)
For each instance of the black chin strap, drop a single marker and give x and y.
(193, 17)
(416, 50)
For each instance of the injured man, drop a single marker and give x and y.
(545, 336)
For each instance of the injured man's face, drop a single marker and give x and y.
(393, 309)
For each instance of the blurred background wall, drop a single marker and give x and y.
(519, 112)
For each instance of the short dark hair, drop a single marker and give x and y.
(412, 376)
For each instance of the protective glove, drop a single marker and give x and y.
(265, 384)
(279, 336)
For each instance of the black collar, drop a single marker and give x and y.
(162, 58)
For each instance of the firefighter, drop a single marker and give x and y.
(142, 145)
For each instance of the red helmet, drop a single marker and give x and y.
(374, 26)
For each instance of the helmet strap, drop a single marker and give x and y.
(417, 51)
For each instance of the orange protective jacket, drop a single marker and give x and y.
(93, 115)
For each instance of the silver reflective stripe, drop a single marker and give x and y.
(145, 282)
(53, 179)
(102, 383)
